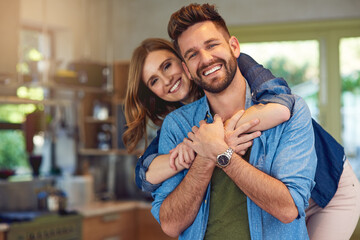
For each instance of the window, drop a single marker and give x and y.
(350, 96)
(35, 46)
(296, 61)
(334, 100)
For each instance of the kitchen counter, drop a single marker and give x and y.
(100, 208)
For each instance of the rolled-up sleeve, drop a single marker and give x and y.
(274, 91)
(168, 140)
(143, 164)
(295, 157)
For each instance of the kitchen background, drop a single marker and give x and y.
(63, 74)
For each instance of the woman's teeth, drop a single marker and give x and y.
(212, 70)
(175, 86)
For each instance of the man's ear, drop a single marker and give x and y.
(235, 46)
(186, 70)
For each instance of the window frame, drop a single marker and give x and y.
(328, 33)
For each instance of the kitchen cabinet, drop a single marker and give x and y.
(101, 118)
(115, 225)
(120, 220)
(147, 227)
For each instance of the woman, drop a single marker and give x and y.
(330, 201)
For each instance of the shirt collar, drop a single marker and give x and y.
(204, 112)
(248, 101)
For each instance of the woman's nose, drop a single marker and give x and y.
(168, 79)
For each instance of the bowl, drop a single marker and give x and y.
(6, 173)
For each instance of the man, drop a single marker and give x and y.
(276, 179)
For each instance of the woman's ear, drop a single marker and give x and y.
(235, 46)
(186, 70)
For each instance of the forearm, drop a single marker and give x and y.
(270, 115)
(188, 195)
(160, 170)
(267, 192)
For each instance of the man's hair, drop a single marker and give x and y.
(187, 16)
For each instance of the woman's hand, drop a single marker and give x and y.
(235, 135)
(182, 156)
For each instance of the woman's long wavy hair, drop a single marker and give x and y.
(141, 103)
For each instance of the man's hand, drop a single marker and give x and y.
(208, 139)
(181, 156)
(235, 135)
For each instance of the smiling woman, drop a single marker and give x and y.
(163, 74)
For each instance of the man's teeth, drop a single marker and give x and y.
(175, 86)
(212, 70)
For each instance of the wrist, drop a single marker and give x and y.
(221, 148)
(224, 159)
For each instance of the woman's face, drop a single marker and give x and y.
(163, 75)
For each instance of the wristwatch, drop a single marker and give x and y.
(223, 159)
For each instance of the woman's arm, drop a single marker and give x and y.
(270, 115)
(265, 87)
(160, 170)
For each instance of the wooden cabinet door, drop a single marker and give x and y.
(117, 225)
(148, 228)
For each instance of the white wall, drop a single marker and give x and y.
(109, 30)
(146, 18)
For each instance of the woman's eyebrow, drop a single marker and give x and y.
(163, 63)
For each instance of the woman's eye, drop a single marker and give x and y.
(153, 81)
(167, 66)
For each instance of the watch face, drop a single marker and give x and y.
(223, 160)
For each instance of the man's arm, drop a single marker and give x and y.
(178, 200)
(267, 192)
(274, 194)
(180, 208)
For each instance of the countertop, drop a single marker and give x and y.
(100, 208)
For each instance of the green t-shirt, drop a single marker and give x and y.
(228, 217)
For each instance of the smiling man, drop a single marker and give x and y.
(262, 195)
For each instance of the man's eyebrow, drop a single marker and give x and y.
(211, 40)
(188, 51)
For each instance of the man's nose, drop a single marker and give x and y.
(205, 56)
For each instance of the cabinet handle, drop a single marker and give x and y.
(111, 217)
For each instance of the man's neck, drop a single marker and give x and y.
(230, 100)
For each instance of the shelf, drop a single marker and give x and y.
(16, 100)
(99, 152)
(13, 126)
(59, 86)
(89, 119)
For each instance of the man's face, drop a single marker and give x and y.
(210, 59)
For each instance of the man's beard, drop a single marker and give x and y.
(230, 70)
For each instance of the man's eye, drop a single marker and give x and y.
(192, 55)
(212, 45)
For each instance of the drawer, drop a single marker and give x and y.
(112, 226)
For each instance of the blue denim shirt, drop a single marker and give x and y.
(265, 89)
(285, 152)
